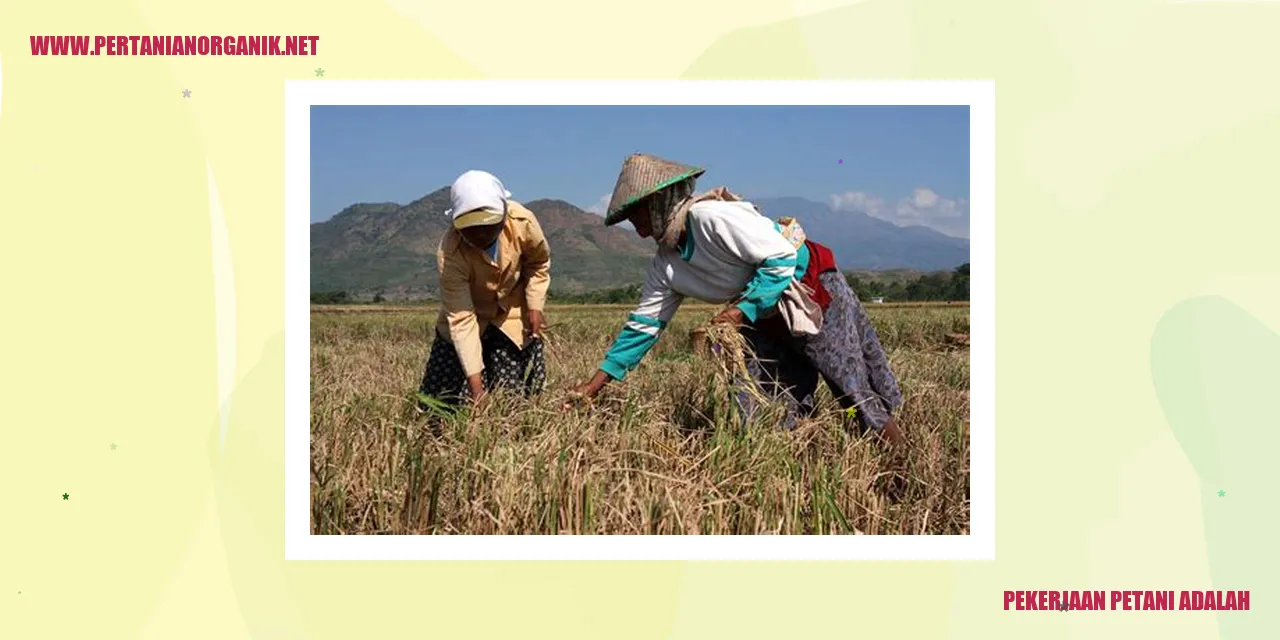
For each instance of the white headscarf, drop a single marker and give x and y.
(477, 190)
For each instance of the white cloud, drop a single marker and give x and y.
(600, 206)
(923, 208)
(924, 197)
(857, 201)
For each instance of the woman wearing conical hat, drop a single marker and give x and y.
(789, 299)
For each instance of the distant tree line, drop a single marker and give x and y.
(952, 286)
(342, 297)
(330, 297)
(616, 295)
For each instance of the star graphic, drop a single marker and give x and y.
(66, 496)
(1221, 493)
(186, 93)
(319, 73)
(851, 412)
(840, 161)
(113, 446)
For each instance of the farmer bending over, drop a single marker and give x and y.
(494, 272)
(791, 303)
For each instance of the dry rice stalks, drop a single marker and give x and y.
(725, 346)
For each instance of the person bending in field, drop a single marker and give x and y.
(494, 268)
(717, 248)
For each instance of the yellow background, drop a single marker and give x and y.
(1136, 163)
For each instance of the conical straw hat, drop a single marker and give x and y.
(642, 175)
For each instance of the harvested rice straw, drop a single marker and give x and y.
(724, 345)
(568, 398)
(549, 338)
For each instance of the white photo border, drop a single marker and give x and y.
(301, 544)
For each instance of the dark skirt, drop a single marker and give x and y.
(846, 354)
(506, 366)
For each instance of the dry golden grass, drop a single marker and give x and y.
(658, 454)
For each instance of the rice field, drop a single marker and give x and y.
(657, 454)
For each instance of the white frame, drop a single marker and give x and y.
(300, 544)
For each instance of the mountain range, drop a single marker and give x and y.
(388, 248)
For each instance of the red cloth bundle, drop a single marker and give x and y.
(821, 260)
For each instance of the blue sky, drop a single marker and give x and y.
(909, 165)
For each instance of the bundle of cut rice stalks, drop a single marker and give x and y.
(726, 347)
(723, 344)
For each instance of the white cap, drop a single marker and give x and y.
(478, 198)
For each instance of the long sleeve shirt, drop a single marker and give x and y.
(479, 288)
(730, 252)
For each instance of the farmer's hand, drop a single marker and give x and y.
(475, 384)
(585, 391)
(732, 316)
(534, 323)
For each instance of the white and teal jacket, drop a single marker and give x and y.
(730, 252)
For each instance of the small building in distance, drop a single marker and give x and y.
(878, 300)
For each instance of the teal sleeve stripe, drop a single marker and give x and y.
(613, 369)
(749, 310)
(646, 320)
(765, 288)
(627, 352)
(686, 252)
(802, 262)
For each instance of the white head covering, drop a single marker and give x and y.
(478, 198)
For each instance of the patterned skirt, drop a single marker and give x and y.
(506, 366)
(846, 355)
